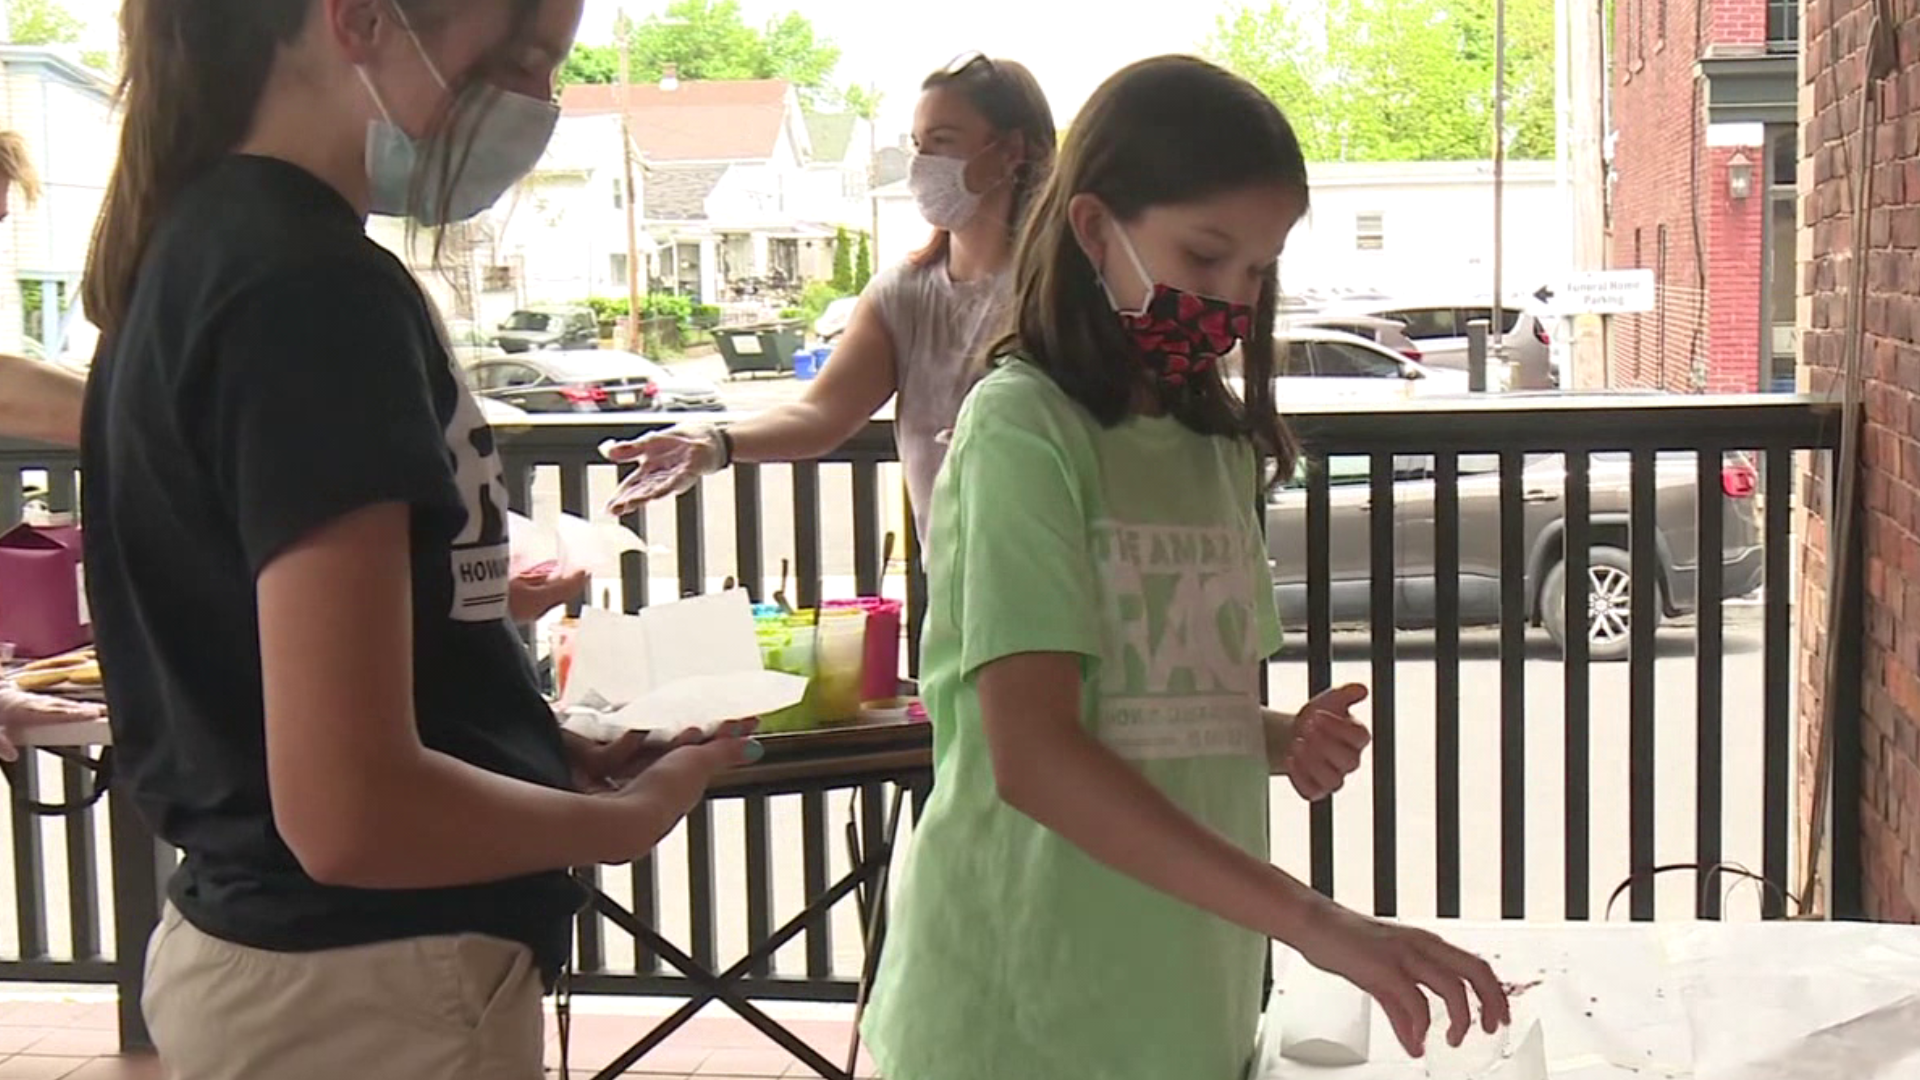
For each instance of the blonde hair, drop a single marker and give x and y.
(17, 168)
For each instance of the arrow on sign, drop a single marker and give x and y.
(1545, 295)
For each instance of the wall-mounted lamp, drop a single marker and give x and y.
(1739, 176)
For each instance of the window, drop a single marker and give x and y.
(1783, 152)
(1509, 318)
(1294, 362)
(497, 279)
(620, 193)
(1370, 231)
(1639, 262)
(1339, 360)
(1660, 306)
(1660, 27)
(504, 376)
(1783, 26)
(1425, 323)
(44, 306)
(617, 265)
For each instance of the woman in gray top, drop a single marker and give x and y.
(984, 140)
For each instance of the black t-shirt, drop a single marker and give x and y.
(276, 371)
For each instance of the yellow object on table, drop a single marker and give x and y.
(828, 648)
(77, 668)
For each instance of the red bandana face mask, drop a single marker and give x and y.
(1180, 334)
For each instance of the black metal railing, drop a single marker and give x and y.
(1458, 812)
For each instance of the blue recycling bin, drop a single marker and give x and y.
(806, 364)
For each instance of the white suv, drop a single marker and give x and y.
(1439, 330)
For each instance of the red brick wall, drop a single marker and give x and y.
(1736, 259)
(1737, 24)
(1890, 477)
(1705, 334)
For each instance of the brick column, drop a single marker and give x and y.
(1890, 478)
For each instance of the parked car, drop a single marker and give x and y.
(1315, 364)
(600, 380)
(1607, 621)
(548, 328)
(500, 414)
(1439, 328)
(1389, 333)
(833, 321)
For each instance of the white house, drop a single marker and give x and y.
(64, 112)
(836, 179)
(731, 191)
(563, 231)
(1393, 226)
(1412, 226)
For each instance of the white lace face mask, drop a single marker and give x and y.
(939, 186)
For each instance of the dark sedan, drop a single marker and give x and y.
(600, 380)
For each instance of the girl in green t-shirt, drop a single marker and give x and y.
(1089, 893)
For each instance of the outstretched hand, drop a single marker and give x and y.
(666, 463)
(1396, 965)
(532, 593)
(606, 766)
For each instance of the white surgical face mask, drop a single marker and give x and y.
(499, 141)
(939, 186)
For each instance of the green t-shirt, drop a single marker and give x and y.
(1011, 954)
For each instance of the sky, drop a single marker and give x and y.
(893, 45)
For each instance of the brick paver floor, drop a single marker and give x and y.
(45, 1036)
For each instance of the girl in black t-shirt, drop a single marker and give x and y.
(296, 548)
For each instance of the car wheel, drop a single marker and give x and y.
(1609, 617)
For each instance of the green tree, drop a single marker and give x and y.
(842, 260)
(43, 22)
(862, 101)
(711, 39)
(1396, 80)
(591, 64)
(862, 265)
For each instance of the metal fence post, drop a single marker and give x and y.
(137, 876)
(1477, 330)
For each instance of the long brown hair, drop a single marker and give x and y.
(16, 167)
(1164, 131)
(1007, 95)
(194, 74)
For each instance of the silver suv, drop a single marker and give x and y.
(1439, 330)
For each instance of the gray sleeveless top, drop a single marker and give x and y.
(939, 328)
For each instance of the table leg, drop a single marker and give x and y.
(876, 917)
(720, 987)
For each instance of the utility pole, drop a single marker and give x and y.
(1587, 74)
(625, 30)
(1499, 320)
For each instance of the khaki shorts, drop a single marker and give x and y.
(435, 1008)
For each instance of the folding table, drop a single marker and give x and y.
(861, 759)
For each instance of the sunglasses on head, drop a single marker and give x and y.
(967, 63)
